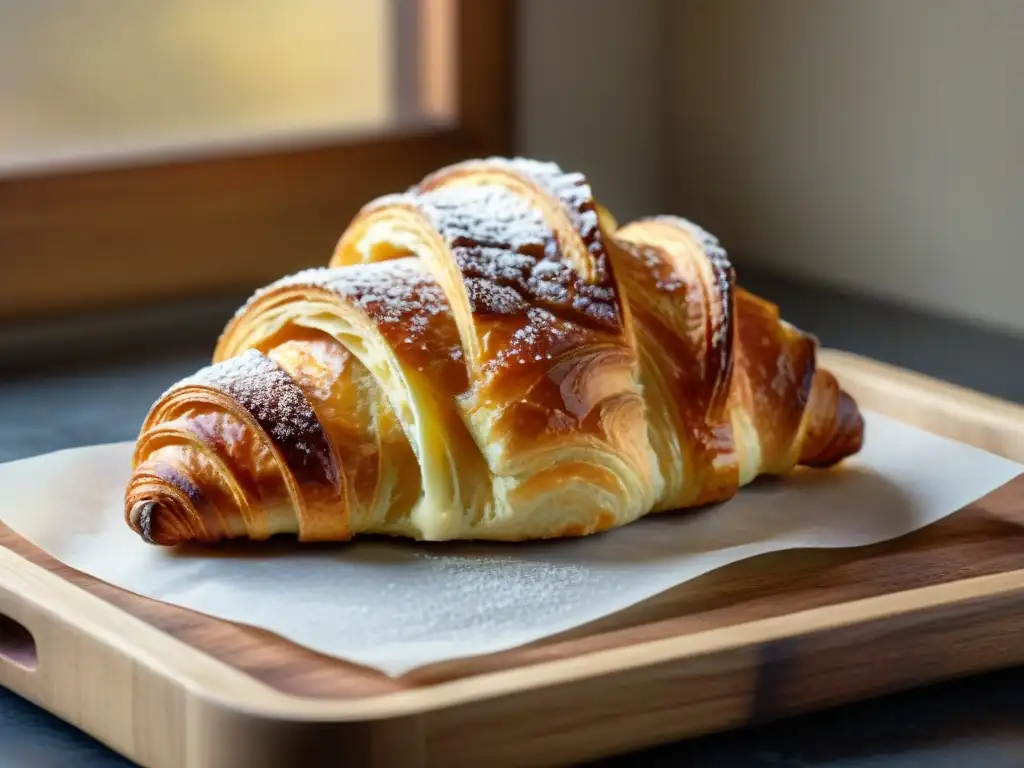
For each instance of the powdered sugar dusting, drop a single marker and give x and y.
(487, 215)
(667, 280)
(396, 292)
(571, 189)
(700, 306)
(401, 300)
(489, 298)
(510, 259)
(390, 292)
(408, 308)
(544, 337)
(708, 242)
(503, 246)
(721, 268)
(278, 405)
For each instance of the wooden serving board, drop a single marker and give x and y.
(757, 640)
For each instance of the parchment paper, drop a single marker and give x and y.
(397, 605)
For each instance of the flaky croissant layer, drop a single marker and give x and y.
(487, 356)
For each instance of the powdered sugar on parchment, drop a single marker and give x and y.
(397, 605)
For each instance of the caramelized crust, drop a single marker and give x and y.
(243, 412)
(488, 355)
(681, 286)
(519, 253)
(391, 317)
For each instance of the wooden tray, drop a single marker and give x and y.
(772, 636)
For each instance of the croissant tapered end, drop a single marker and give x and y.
(846, 437)
(235, 450)
(835, 425)
(158, 524)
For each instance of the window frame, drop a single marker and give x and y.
(139, 233)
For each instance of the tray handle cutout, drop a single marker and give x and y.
(17, 644)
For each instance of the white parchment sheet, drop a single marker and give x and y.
(397, 605)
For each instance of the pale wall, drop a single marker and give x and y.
(876, 144)
(590, 95)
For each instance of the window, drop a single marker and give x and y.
(150, 151)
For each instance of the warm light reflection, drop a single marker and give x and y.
(88, 76)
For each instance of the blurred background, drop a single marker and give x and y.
(157, 157)
(861, 160)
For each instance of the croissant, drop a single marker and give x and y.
(487, 356)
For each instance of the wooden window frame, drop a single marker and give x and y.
(73, 241)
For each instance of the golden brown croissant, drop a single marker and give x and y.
(487, 356)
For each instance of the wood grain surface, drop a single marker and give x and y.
(984, 538)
